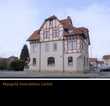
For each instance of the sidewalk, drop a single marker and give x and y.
(31, 74)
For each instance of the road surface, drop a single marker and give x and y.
(30, 74)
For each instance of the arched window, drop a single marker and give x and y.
(34, 61)
(51, 61)
(70, 60)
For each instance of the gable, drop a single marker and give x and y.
(52, 29)
(55, 29)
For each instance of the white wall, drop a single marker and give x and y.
(35, 53)
(76, 63)
(57, 54)
(85, 53)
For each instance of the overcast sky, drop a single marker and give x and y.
(19, 18)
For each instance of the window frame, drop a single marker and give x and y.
(70, 60)
(51, 61)
(46, 34)
(47, 47)
(55, 33)
(34, 62)
(72, 43)
(55, 47)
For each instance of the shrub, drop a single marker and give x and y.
(3, 66)
(17, 65)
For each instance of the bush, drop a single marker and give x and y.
(17, 65)
(3, 66)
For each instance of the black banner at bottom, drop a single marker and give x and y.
(33, 87)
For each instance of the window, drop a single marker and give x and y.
(70, 60)
(50, 23)
(61, 32)
(34, 61)
(47, 47)
(46, 34)
(55, 47)
(84, 60)
(55, 33)
(51, 61)
(34, 46)
(72, 43)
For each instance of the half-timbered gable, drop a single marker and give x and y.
(51, 29)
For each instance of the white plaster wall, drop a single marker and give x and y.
(85, 53)
(35, 54)
(107, 62)
(58, 55)
(76, 63)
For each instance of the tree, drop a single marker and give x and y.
(24, 56)
(3, 66)
(17, 65)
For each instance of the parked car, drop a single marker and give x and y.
(105, 70)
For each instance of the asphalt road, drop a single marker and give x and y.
(29, 74)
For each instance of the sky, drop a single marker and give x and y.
(19, 18)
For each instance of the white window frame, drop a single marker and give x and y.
(70, 63)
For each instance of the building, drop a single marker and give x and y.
(100, 64)
(59, 46)
(93, 63)
(96, 64)
(5, 62)
(106, 59)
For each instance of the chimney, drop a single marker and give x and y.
(69, 18)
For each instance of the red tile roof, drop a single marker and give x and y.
(100, 62)
(66, 24)
(106, 57)
(35, 36)
(92, 59)
(51, 18)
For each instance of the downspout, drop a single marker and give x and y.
(40, 58)
(63, 56)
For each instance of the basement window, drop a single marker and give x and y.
(34, 61)
(70, 60)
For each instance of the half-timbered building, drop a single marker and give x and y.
(59, 46)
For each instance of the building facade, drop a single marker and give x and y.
(95, 64)
(59, 46)
(106, 59)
